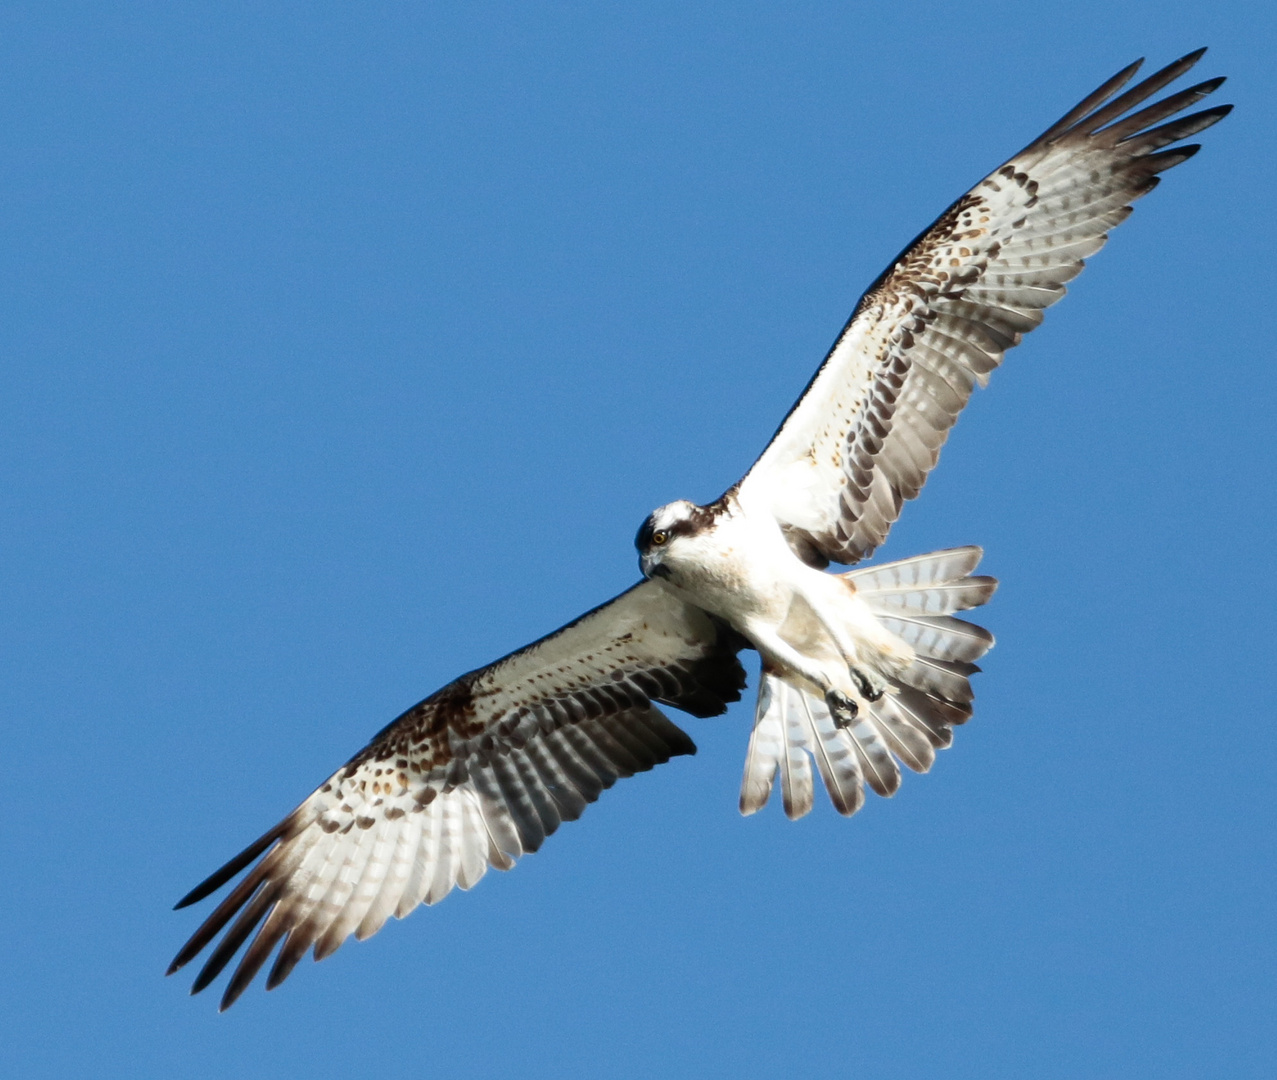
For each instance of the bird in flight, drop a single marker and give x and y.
(860, 671)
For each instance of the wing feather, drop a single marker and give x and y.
(476, 775)
(868, 430)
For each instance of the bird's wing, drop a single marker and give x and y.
(869, 427)
(473, 776)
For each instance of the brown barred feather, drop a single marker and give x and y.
(868, 429)
(477, 774)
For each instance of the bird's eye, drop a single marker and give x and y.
(658, 538)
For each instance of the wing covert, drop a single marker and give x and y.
(869, 427)
(473, 776)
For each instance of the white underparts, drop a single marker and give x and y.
(879, 645)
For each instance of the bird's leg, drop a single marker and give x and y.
(776, 650)
(871, 689)
(841, 707)
(779, 653)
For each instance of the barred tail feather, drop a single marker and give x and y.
(790, 729)
(836, 759)
(913, 599)
(795, 766)
(766, 744)
(926, 585)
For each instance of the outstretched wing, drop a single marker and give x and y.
(869, 427)
(473, 776)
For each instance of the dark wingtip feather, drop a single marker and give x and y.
(676, 742)
(1141, 143)
(1092, 101)
(685, 748)
(1137, 122)
(252, 914)
(212, 926)
(203, 979)
(1138, 93)
(293, 949)
(1168, 159)
(221, 876)
(234, 988)
(254, 957)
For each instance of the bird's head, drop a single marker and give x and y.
(663, 537)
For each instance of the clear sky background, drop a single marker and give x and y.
(344, 348)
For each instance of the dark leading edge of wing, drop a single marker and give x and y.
(477, 774)
(869, 427)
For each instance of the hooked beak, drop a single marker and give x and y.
(652, 567)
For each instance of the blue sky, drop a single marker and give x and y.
(344, 349)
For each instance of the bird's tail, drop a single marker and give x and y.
(913, 599)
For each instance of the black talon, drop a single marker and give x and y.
(867, 689)
(842, 708)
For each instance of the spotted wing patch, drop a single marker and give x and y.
(473, 776)
(868, 430)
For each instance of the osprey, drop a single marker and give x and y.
(861, 671)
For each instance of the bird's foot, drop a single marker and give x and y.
(870, 690)
(842, 708)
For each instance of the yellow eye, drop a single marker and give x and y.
(658, 538)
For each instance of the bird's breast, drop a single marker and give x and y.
(736, 574)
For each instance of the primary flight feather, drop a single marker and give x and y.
(861, 671)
